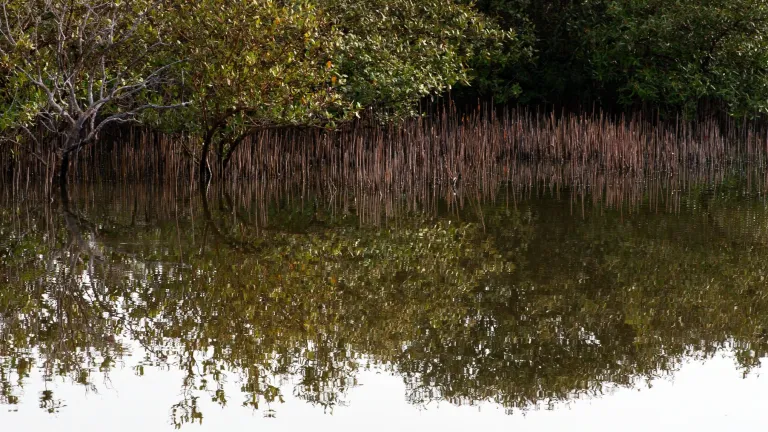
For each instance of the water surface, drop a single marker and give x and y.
(535, 305)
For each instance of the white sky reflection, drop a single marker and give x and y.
(702, 396)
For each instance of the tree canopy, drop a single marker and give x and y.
(219, 70)
(678, 55)
(235, 66)
(75, 67)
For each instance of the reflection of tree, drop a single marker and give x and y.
(530, 306)
(46, 324)
(298, 309)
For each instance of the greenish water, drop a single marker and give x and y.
(251, 308)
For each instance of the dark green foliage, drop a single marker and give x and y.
(650, 54)
(555, 66)
(681, 53)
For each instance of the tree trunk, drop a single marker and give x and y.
(205, 169)
(63, 170)
(64, 195)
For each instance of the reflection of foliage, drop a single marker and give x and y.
(49, 308)
(309, 302)
(526, 305)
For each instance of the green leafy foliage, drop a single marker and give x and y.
(683, 52)
(673, 56)
(254, 63)
(234, 66)
(249, 65)
(71, 64)
(394, 52)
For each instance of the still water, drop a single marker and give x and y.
(635, 303)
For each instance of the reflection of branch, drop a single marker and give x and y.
(73, 223)
(93, 247)
(232, 242)
(237, 213)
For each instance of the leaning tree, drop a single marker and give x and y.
(82, 65)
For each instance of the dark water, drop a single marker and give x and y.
(577, 306)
